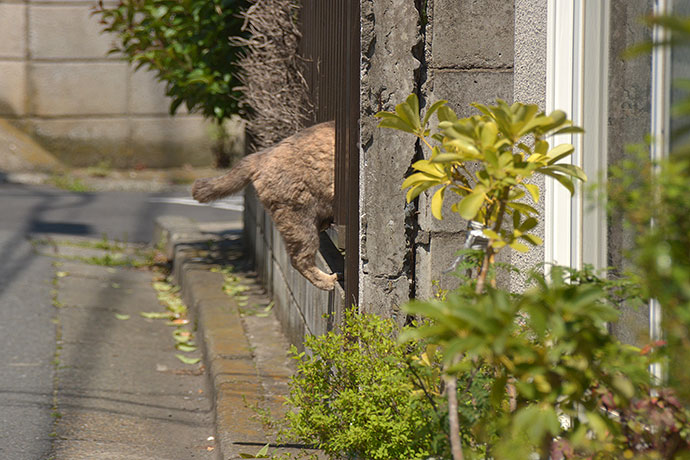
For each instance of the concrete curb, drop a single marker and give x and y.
(234, 379)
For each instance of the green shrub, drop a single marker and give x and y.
(487, 160)
(561, 386)
(358, 393)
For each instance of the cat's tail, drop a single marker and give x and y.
(215, 188)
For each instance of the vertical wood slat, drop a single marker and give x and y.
(352, 198)
(330, 45)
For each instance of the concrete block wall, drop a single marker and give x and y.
(58, 84)
(461, 54)
(461, 51)
(470, 49)
(301, 308)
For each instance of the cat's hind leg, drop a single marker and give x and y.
(302, 243)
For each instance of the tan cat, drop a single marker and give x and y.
(294, 181)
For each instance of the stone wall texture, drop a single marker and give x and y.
(449, 50)
(390, 33)
(469, 54)
(58, 84)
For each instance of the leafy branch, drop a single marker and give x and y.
(487, 160)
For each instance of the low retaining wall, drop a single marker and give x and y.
(301, 308)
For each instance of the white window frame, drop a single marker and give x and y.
(659, 148)
(577, 83)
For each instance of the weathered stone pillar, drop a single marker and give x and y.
(390, 31)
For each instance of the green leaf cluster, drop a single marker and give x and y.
(187, 43)
(486, 160)
(549, 344)
(653, 199)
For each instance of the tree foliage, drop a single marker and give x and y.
(187, 43)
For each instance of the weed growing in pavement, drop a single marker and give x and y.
(104, 243)
(102, 169)
(58, 345)
(117, 253)
(69, 183)
(120, 254)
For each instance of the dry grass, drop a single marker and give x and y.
(275, 91)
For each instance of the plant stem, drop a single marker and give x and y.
(484, 271)
(453, 422)
(546, 447)
(489, 254)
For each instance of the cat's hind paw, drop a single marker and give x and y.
(322, 280)
(202, 190)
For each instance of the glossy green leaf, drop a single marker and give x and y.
(437, 203)
(559, 152)
(518, 246)
(541, 147)
(395, 122)
(429, 168)
(415, 191)
(537, 122)
(569, 130)
(532, 239)
(528, 224)
(469, 206)
(418, 178)
(558, 117)
(447, 158)
(522, 207)
(413, 102)
(462, 145)
(434, 107)
(563, 180)
(533, 190)
(446, 114)
(489, 134)
(568, 169)
(407, 113)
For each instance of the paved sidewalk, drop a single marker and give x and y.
(119, 391)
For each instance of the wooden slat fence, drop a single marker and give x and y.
(330, 46)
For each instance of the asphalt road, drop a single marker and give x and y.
(27, 331)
